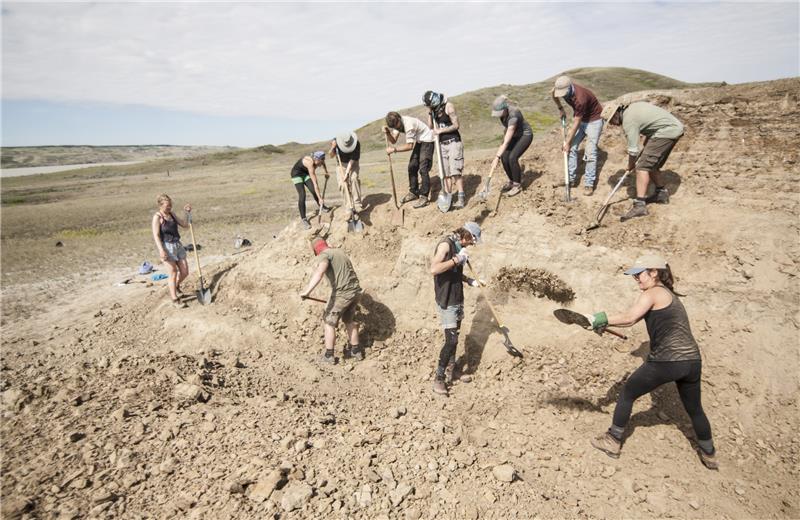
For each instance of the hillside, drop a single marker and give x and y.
(29, 156)
(115, 404)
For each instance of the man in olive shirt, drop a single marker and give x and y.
(661, 130)
(345, 292)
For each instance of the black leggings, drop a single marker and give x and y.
(301, 195)
(653, 374)
(448, 352)
(511, 157)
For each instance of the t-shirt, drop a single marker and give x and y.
(649, 120)
(416, 131)
(585, 104)
(515, 118)
(340, 273)
(355, 155)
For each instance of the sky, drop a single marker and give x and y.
(248, 74)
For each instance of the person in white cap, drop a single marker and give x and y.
(419, 141)
(516, 140)
(447, 268)
(450, 144)
(348, 147)
(304, 176)
(674, 355)
(586, 123)
(662, 131)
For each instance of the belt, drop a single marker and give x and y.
(453, 140)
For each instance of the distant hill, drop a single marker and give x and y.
(28, 156)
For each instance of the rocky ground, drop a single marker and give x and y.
(125, 407)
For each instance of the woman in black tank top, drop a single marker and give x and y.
(167, 238)
(304, 176)
(674, 355)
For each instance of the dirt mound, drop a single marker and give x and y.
(538, 282)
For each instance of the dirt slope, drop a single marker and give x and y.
(130, 409)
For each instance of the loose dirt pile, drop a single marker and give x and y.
(539, 282)
(125, 407)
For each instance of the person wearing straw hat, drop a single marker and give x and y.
(674, 355)
(662, 131)
(349, 149)
(447, 268)
(450, 144)
(586, 123)
(516, 140)
(304, 177)
(419, 141)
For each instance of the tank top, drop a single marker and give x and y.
(671, 337)
(299, 169)
(443, 121)
(169, 229)
(448, 285)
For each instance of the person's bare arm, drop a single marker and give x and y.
(156, 228)
(558, 103)
(632, 316)
(319, 272)
(312, 172)
(332, 151)
(439, 264)
(183, 222)
(506, 139)
(389, 135)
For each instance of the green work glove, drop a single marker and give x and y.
(598, 320)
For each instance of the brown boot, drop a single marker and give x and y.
(709, 461)
(439, 387)
(607, 444)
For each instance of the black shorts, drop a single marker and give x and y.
(655, 153)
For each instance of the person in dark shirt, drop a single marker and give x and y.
(348, 147)
(447, 268)
(586, 123)
(674, 355)
(443, 112)
(168, 241)
(516, 140)
(304, 177)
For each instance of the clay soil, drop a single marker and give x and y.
(115, 404)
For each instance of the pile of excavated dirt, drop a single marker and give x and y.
(538, 282)
(121, 406)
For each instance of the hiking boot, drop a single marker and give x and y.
(439, 387)
(327, 360)
(421, 203)
(515, 189)
(465, 378)
(637, 210)
(709, 461)
(306, 224)
(459, 204)
(358, 353)
(661, 196)
(506, 187)
(588, 191)
(607, 444)
(178, 304)
(408, 198)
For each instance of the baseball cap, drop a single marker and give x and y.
(500, 103)
(645, 262)
(474, 230)
(562, 86)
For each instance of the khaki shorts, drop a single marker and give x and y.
(175, 251)
(340, 308)
(452, 158)
(655, 154)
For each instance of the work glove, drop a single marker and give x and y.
(474, 282)
(598, 321)
(462, 257)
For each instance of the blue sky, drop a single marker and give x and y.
(246, 74)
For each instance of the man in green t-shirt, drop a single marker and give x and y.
(661, 130)
(345, 291)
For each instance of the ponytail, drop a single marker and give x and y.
(666, 277)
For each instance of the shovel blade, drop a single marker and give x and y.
(398, 217)
(355, 226)
(510, 348)
(204, 296)
(444, 201)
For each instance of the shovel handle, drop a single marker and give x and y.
(615, 333)
(320, 300)
(194, 247)
(391, 172)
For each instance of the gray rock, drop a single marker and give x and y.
(295, 496)
(504, 473)
(364, 496)
(189, 392)
(400, 493)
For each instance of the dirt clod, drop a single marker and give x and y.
(539, 282)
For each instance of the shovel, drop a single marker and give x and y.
(320, 300)
(484, 194)
(571, 317)
(398, 215)
(567, 197)
(503, 329)
(445, 198)
(324, 187)
(597, 218)
(203, 294)
(354, 223)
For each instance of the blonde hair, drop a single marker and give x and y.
(162, 199)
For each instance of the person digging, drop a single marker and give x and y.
(447, 268)
(345, 293)
(304, 177)
(419, 141)
(348, 147)
(517, 138)
(662, 131)
(674, 355)
(450, 145)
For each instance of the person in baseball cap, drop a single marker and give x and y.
(348, 149)
(674, 355)
(516, 140)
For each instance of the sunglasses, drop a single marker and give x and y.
(637, 275)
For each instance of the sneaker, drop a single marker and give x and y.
(439, 387)
(507, 186)
(421, 203)
(465, 378)
(306, 224)
(637, 210)
(661, 196)
(709, 461)
(178, 304)
(408, 198)
(588, 191)
(327, 360)
(358, 353)
(459, 204)
(607, 444)
(516, 189)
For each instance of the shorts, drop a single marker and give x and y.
(452, 158)
(300, 179)
(451, 316)
(655, 153)
(340, 307)
(175, 251)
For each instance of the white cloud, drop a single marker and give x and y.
(319, 61)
